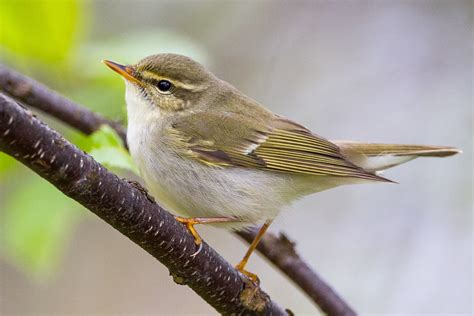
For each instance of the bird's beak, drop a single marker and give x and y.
(125, 71)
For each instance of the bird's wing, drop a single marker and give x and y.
(271, 143)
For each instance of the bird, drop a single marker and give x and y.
(212, 155)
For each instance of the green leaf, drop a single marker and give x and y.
(41, 30)
(78, 138)
(7, 163)
(114, 157)
(106, 136)
(38, 221)
(107, 148)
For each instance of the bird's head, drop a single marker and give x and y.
(165, 82)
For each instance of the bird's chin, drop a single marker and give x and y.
(139, 107)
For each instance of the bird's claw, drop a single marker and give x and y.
(197, 251)
(190, 222)
(251, 276)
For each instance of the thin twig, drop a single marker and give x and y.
(272, 247)
(131, 211)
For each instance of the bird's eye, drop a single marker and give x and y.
(164, 85)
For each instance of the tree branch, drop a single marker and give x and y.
(275, 249)
(31, 92)
(281, 252)
(127, 208)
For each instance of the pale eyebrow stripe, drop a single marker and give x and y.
(150, 75)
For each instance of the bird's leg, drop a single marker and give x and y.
(191, 221)
(241, 265)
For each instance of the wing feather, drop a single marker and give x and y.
(281, 146)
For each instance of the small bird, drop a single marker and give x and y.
(213, 155)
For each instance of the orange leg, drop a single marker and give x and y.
(241, 265)
(190, 222)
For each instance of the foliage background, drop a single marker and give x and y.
(392, 71)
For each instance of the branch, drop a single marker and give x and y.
(127, 208)
(34, 94)
(281, 252)
(274, 249)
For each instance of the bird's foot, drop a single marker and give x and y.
(190, 222)
(252, 277)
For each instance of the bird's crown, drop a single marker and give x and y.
(173, 67)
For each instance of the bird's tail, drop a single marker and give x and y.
(376, 157)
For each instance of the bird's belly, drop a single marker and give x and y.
(190, 188)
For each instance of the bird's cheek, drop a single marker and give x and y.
(169, 103)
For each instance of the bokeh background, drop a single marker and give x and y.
(388, 71)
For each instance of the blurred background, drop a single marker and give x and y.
(388, 71)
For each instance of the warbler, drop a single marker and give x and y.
(211, 154)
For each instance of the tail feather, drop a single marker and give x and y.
(376, 157)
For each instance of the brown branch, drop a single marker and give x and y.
(131, 211)
(274, 249)
(281, 252)
(36, 95)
